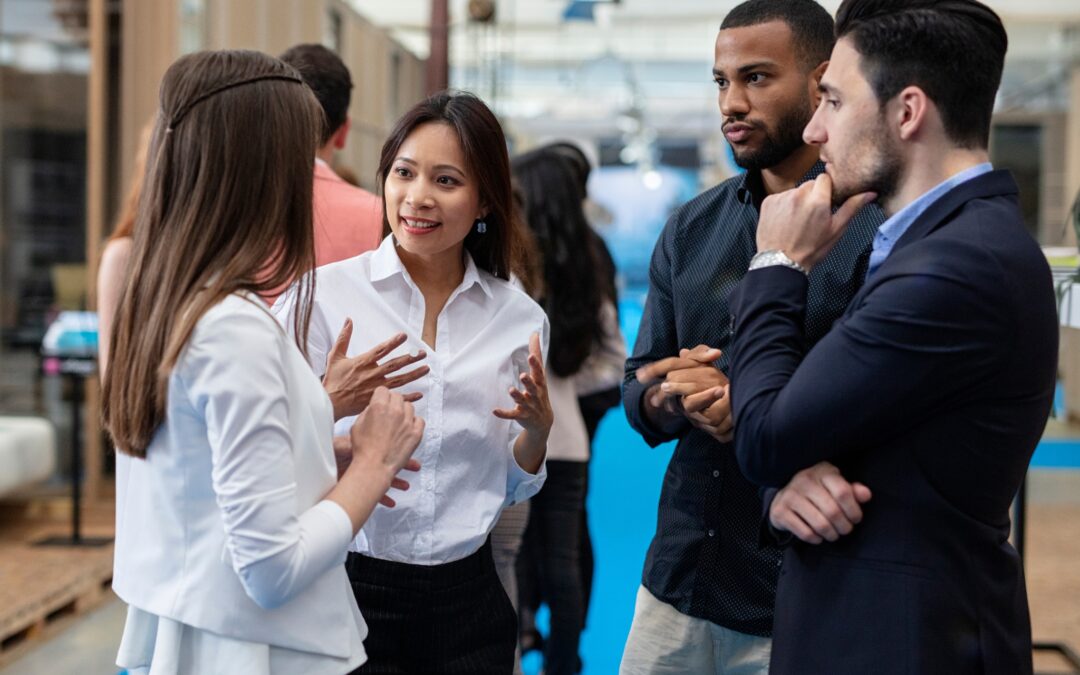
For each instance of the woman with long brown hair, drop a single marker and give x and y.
(231, 525)
(584, 328)
(423, 572)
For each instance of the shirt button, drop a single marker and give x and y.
(712, 532)
(716, 473)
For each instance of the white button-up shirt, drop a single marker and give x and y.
(468, 471)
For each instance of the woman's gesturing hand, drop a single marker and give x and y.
(350, 382)
(382, 441)
(533, 409)
(343, 456)
(386, 434)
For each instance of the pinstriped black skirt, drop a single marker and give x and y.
(434, 620)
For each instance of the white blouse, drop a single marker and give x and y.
(468, 471)
(226, 551)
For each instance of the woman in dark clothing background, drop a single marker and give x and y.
(582, 320)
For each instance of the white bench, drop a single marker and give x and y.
(27, 452)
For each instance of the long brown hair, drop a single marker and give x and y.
(225, 208)
(503, 250)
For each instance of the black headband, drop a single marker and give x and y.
(183, 110)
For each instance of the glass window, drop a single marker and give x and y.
(44, 62)
(1018, 148)
(332, 30)
(192, 25)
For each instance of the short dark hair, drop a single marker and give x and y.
(954, 50)
(810, 24)
(328, 77)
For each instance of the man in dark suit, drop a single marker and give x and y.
(902, 436)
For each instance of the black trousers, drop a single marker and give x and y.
(434, 620)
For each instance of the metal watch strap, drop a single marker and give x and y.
(771, 258)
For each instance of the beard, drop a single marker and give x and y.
(878, 171)
(780, 141)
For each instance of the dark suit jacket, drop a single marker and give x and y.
(932, 389)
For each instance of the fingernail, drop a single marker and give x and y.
(665, 386)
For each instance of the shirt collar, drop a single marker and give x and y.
(751, 189)
(385, 263)
(895, 227)
(892, 229)
(325, 171)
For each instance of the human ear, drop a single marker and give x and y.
(815, 80)
(342, 134)
(910, 112)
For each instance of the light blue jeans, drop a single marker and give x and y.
(664, 641)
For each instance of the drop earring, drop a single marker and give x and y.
(481, 226)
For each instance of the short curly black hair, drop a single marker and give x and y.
(328, 77)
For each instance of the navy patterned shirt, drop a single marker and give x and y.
(707, 559)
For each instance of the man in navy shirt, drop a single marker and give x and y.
(709, 583)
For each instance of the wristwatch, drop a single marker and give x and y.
(771, 258)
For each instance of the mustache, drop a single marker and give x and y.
(728, 121)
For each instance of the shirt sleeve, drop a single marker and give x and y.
(233, 370)
(657, 338)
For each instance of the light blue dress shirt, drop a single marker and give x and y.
(895, 227)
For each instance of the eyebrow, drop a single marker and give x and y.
(437, 167)
(826, 89)
(748, 68)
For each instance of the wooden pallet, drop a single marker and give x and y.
(44, 589)
(29, 629)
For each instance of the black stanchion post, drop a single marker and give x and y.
(76, 370)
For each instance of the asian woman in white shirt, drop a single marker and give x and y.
(232, 526)
(422, 572)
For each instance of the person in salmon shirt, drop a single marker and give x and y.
(348, 219)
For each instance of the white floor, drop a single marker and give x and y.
(88, 647)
